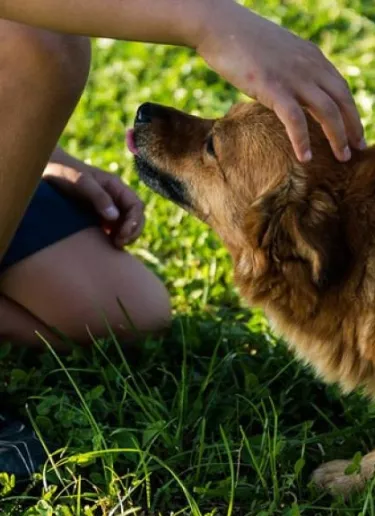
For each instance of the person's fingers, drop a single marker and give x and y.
(92, 191)
(292, 116)
(330, 80)
(126, 200)
(128, 232)
(339, 91)
(328, 114)
(132, 225)
(131, 209)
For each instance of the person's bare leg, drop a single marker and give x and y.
(74, 284)
(42, 75)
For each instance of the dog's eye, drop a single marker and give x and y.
(210, 146)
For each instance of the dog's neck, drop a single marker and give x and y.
(344, 196)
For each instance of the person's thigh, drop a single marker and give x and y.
(75, 284)
(42, 75)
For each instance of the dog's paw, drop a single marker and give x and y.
(333, 477)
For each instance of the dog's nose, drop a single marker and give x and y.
(144, 113)
(149, 111)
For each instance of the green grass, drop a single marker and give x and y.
(217, 417)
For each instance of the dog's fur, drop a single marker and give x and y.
(301, 236)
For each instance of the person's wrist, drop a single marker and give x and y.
(199, 19)
(220, 23)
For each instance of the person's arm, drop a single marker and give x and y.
(120, 209)
(265, 61)
(176, 22)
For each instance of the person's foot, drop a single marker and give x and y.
(21, 452)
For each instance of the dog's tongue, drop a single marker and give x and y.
(130, 142)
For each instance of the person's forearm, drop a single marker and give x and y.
(62, 166)
(176, 22)
(59, 156)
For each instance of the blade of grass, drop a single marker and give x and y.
(232, 472)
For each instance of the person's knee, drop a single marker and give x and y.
(156, 314)
(143, 298)
(44, 62)
(131, 310)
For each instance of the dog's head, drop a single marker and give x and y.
(209, 167)
(239, 174)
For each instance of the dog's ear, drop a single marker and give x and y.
(296, 230)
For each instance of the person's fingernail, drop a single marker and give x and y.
(111, 213)
(362, 145)
(307, 156)
(346, 154)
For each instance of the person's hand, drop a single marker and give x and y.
(119, 207)
(284, 73)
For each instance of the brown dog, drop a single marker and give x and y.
(301, 236)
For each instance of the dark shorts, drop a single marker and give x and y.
(50, 217)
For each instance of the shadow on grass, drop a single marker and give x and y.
(215, 415)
